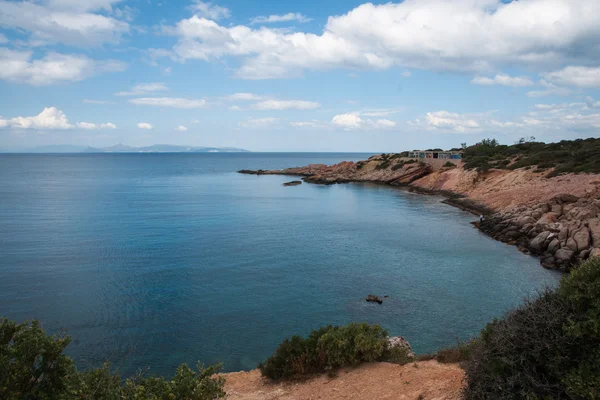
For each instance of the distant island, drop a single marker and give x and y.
(121, 148)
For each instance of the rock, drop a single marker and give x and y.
(594, 225)
(563, 255)
(557, 209)
(548, 218)
(374, 299)
(584, 254)
(563, 234)
(525, 220)
(399, 341)
(293, 183)
(572, 244)
(565, 198)
(548, 262)
(537, 244)
(582, 238)
(554, 245)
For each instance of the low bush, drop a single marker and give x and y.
(326, 349)
(456, 354)
(449, 164)
(549, 348)
(33, 367)
(383, 165)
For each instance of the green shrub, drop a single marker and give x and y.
(449, 164)
(397, 166)
(383, 165)
(33, 366)
(547, 348)
(326, 349)
(398, 355)
(455, 354)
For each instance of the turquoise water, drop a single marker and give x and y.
(158, 259)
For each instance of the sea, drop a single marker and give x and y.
(151, 260)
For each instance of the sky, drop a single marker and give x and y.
(297, 76)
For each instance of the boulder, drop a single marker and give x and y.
(563, 255)
(548, 262)
(554, 245)
(584, 254)
(525, 220)
(399, 341)
(557, 209)
(565, 198)
(595, 252)
(572, 244)
(537, 244)
(548, 218)
(563, 234)
(373, 299)
(582, 238)
(594, 225)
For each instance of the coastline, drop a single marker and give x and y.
(555, 219)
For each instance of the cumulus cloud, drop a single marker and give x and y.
(504, 80)
(3, 123)
(445, 120)
(286, 105)
(92, 126)
(69, 22)
(280, 18)
(243, 97)
(210, 11)
(305, 124)
(144, 88)
(182, 128)
(144, 125)
(462, 35)
(586, 77)
(18, 66)
(550, 89)
(354, 121)
(173, 102)
(49, 118)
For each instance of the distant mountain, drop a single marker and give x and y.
(162, 148)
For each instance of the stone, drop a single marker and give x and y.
(547, 219)
(564, 255)
(594, 225)
(293, 183)
(563, 234)
(584, 254)
(399, 341)
(548, 262)
(373, 299)
(565, 198)
(544, 208)
(525, 220)
(557, 209)
(537, 244)
(572, 244)
(582, 238)
(554, 245)
(595, 252)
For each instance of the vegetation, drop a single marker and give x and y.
(33, 367)
(576, 156)
(549, 348)
(330, 348)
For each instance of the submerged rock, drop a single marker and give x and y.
(373, 299)
(292, 183)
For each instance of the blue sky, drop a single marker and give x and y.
(297, 76)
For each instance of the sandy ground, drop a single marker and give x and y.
(428, 379)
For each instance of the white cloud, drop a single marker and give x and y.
(210, 11)
(18, 66)
(235, 108)
(286, 105)
(69, 22)
(144, 125)
(587, 77)
(92, 126)
(354, 121)
(3, 123)
(502, 79)
(591, 104)
(450, 121)
(258, 122)
(280, 18)
(182, 128)
(144, 88)
(49, 118)
(173, 102)
(550, 90)
(406, 74)
(462, 35)
(243, 97)
(305, 124)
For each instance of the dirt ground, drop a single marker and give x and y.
(428, 379)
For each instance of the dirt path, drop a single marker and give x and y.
(427, 379)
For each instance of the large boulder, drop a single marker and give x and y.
(538, 243)
(565, 198)
(564, 256)
(582, 238)
(548, 218)
(595, 252)
(554, 245)
(594, 225)
(572, 244)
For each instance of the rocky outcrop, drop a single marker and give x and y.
(399, 341)
(562, 231)
(373, 299)
(292, 183)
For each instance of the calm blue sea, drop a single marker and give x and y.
(158, 259)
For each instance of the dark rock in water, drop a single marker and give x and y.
(293, 183)
(253, 172)
(374, 299)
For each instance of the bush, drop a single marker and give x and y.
(33, 366)
(459, 353)
(383, 165)
(449, 165)
(326, 349)
(547, 348)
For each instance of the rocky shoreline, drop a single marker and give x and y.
(539, 215)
